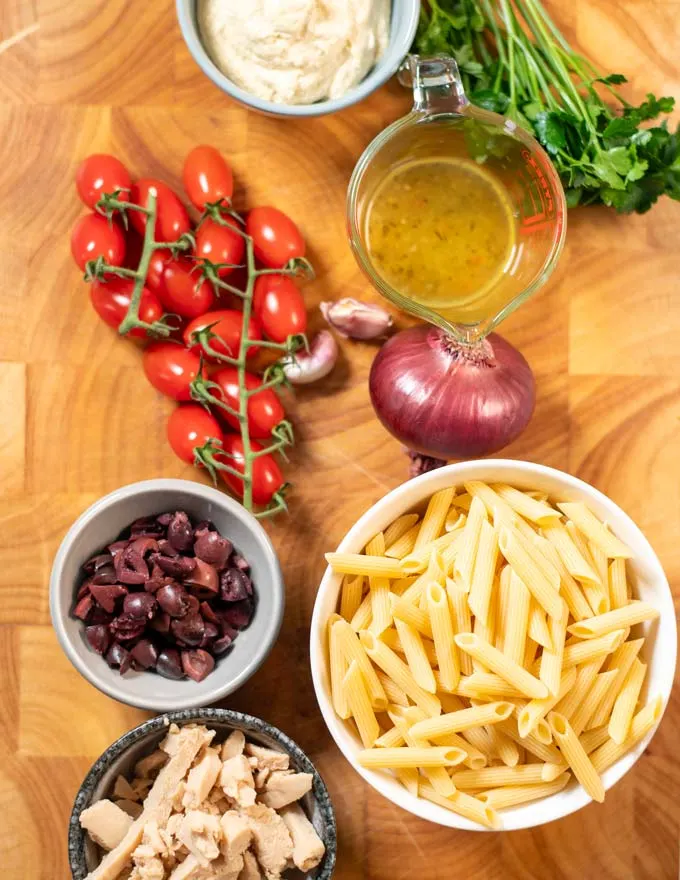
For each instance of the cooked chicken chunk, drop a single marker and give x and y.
(201, 779)
(251, 870)
(233, 745)
(146, 767)
(272, 842)
(201, 833)
(308, 848)
(148, 866)
(106, 823)
(267, 757)
(282, 789)
(236, 780)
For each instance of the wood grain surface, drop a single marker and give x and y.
(78, 419)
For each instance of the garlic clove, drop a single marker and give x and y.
(309, 366)
(356, 319)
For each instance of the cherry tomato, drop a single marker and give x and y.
(111, 300)
(219, 244)
(190, 426)
(267, 478)
(264, 409)
(172, 219)
(94, 236)
(206, 176)
(279, 307)
(228, 324)
(182, 291)
(276, 239)
(133, 254)
(171, 368)
(99, 174)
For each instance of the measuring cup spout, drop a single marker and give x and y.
(436, 83)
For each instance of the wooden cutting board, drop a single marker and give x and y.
(78, 419)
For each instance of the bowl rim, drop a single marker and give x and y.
(205, 694)
(397, 49)
(240, 721)
(417, 490)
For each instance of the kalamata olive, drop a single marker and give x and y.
(189, 630)
(146, 526)
(140, 605)
(126, 627)
(197, 664)
(234, 585)
(156, 581)
(205, 525)
(169, 664)
(145, 653)
(179, 567)
(144, 546)
(117, 548)
(98, 637)
(105, 575)
(131, 567)
(166, 548)
(203, 580)
(239, 562)
(97, 562)
(210, 633)
(238, 614)
(161, 622)
(106, 596)
(180, 531)
(212, 548)
(226, 628)
(173, 599)
(208, 614)
(193, 603)
(98, 615)
(219, 646)
(83, 607)
(84, 589)
(164, 519)
(119, 657)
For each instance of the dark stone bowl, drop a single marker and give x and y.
(142, 740)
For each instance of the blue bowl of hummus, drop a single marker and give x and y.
(298, 57)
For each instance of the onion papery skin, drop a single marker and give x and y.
(446, 400)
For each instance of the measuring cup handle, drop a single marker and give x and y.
(436, 83)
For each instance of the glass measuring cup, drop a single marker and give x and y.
(444, 125)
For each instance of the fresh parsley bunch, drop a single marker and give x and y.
(514, 61)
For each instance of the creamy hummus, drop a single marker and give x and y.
(295, 51)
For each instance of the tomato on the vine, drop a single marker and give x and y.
(133, 253)
(228, 327)
(172, 219)
(99, 174)
(190, 426)
(111, 300)
(207, 176)
(94, 236)
(276, 239)
(266, 474)
(279, 307)
(220, 244)
(264, 409)
(171, 368)
(181, 291)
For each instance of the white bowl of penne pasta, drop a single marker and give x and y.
(493, 645)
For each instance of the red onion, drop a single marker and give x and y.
(448, 401)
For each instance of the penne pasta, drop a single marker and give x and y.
(461, 617)
(391, 739)
(610, 752)
(585, 678)
(576, 757)
(464, 805)
(539, 630)
(381, 609)
(601, 566)
(483, 572)
(496, 507)
(486, 632)
(618, 588)
(462, 501)
(442, 634)
(629, 615)
(454, 520)
(502, 746)
(454, 722)
(621, 660)
(432, 756)
(577, 566)
(416, 657)
(502, 605)
(501, 665)
(404, 544)
(514, 795)
(626, 701)
(438, 776)
(583, 652)
(338, 666)
(399, 672)
(350, 598)
(352, 648)
(544, 751)
(363, 615)
(399, 527)
(435, 516)
(358, 563)
(393, 692)
(516, 618)
(536, 710)
(593, 698)
(404, 610)
(515, 551)
(569, 589)
(417, 561)
(486, 683)
(392, 640)
(475, 760)
(360, 705)
(526, 506)
(593, 739)
(590, 526)
(465, 559)
(492, 777)
(595, 592)
(551, 659)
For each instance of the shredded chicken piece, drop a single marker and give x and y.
(283, 789)
(268, 757)
(272, 842)
(106, 823)
(261, 777)
(233, 745)
(236, 780)
(147, 865)
(308, 848)
(201, 779)
(201, 834)
(251, 870)
(146, 767)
